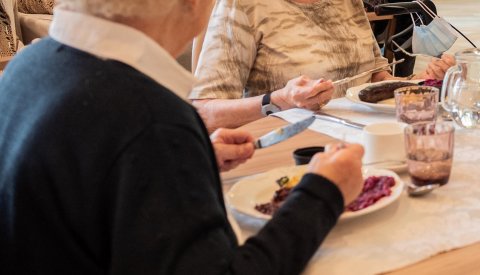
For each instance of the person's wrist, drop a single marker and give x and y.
(277, 98)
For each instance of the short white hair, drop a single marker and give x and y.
(119, 8)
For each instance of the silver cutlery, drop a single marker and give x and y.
(283, 133)
(417, 191)
(327, 117)
(375, 70)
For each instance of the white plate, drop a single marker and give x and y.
(385, 106)
(398, 168)
(259, 189)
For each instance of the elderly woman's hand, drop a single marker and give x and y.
(232, 147)
(303, 92)
(438, 66)
(341, 164)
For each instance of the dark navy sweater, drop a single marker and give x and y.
(104, 171)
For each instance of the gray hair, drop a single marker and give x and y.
(118, 8)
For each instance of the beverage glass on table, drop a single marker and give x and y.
(429, 148)
(416, 103)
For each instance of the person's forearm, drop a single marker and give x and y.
(228, 113)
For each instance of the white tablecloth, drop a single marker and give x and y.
(410, 229)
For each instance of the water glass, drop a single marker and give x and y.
(429, 148)
(416, 103)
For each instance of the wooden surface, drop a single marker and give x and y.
(463, 261)
(373, 17)
(277, 155)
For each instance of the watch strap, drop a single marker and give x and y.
(266, 99)
(267, 106)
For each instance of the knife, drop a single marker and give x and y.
(283, 133)
(344, 121)
(375, 70)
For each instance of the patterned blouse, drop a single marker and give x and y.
(36, 6)
(9, 32)
(254, 47)
(9, 26)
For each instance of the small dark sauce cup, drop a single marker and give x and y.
(304, 155)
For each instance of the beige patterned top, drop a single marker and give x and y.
(36, 6)
(255, 46)
(9, 30)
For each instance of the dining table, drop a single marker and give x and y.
(435, 234)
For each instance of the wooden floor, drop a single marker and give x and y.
(465, 16)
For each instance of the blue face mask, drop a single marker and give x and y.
(433, 39)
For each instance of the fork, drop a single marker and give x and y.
(375, 70)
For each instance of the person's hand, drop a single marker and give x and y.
(438, 66)
(341, 164)
(303, 92)
(232, 147)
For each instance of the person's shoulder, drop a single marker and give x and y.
(88, 82)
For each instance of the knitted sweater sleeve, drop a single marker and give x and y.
(169, 215)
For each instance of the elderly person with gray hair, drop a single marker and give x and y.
(105, 168)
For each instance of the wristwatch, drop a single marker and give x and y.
(267, 106)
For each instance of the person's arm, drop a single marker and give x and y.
(300, 92)
(287, 242)
(169, 216)
(224, 65)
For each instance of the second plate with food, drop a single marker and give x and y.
(259, 189)
(385, 106)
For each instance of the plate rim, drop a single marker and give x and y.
(400, 168)
(366, 171)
